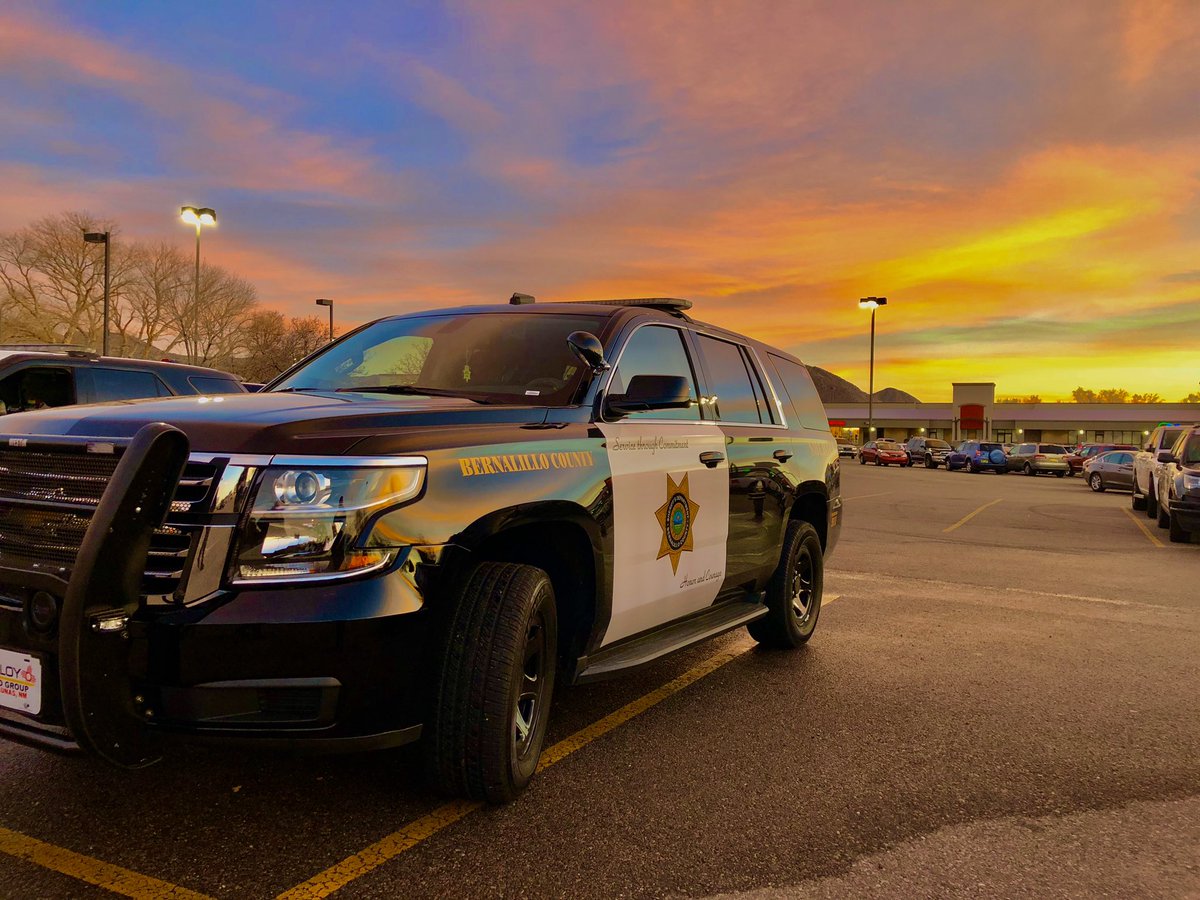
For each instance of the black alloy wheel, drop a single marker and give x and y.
(794, 593)
(1096, 482)
(499, 659)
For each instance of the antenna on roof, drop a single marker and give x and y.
(520, 299)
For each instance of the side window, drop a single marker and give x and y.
(799, 387)
(729, 381)
(37, 387)
(656, 350)
(123, 384)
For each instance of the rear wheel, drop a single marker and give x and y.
(1027, 469)
(794, 594)
(1060, 474)
(493, 698)
(1096, 483)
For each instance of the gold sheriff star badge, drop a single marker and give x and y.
(676, 517)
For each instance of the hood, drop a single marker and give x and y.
(313, 423)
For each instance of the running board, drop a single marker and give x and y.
(639, 651)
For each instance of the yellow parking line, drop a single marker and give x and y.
(1142, 525)
(340, 875)
(93, 871)
(865, 496)
(969, 516)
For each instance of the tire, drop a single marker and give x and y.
(1096, 483)
(862, 460)
(1162, 516)
(1151, 500)
(489, 718)
(1060, 474)
(1001, 470)
(789, 621)
(929, 463)
(1175, 532)
(878, 461)
(1027, 469)
(1138, 502)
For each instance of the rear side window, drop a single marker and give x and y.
(807, 407)
(206, 385)
(36, 387)
(731, 382)
(100, 385)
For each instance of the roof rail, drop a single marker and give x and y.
(72, 350)
(666, 304)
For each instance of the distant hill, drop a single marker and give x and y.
(835, 389)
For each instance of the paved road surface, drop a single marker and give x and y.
(1003, 700)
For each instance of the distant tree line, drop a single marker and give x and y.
(1106, 395)
(52, 292)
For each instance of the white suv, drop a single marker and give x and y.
(1146, 466)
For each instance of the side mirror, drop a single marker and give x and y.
(587, 347)
(1164, 456)
(650, 392)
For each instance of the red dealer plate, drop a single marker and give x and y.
(20, 681)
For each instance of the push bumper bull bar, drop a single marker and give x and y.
(103, 592)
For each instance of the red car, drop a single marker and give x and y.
(883, 453)
(1087, 451)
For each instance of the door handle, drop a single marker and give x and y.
(711, 458)
(783, 455)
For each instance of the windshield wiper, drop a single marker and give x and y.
(297, 390)
(412, 389)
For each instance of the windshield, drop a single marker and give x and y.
(488, 357)
(1190, 455)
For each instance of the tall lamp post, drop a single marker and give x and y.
(102, 237)
(329, 303)
(198, 216)
(871, 303)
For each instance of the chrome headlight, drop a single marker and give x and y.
(1191, 482)
(311, 516)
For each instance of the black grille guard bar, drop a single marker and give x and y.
(104, 592)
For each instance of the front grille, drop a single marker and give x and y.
(51, 495)
(70, 477)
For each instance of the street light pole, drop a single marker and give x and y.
(871, 303)
(102, 237)
(329, 303)
(198, 216)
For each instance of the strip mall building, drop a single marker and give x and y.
(974, 413)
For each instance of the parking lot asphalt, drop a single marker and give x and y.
(1002, 700)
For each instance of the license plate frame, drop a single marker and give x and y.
(20, 681)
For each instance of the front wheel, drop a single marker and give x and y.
(1096, 483)
(1138, 501)
(1175, 530)
(794, 594)
(1060, 474)
(1151, 500)
(862, 460)
(1164, 518)
(497, 677)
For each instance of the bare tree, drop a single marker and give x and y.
(158, 278)
(209, 329)
(271, 343)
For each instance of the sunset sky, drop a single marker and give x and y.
(1021, 180)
